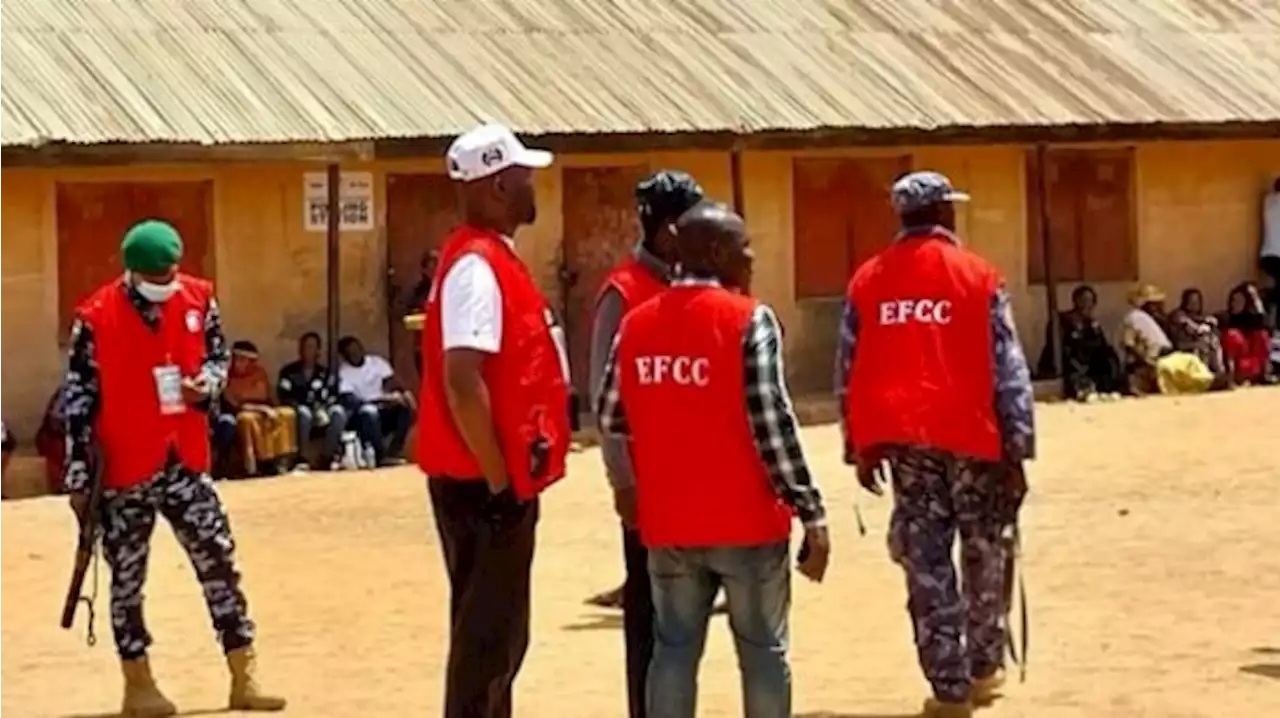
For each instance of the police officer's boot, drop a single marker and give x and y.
(246, 694)
(934, 708)
(142, 699)
(986, 689)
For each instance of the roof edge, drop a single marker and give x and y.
(123, 153)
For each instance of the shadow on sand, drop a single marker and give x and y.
(599, 622)
(842, 714)
(1266, 670)
(192, 712)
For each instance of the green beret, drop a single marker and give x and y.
(151, 247)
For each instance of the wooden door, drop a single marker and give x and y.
(94, 216)
(822, 236)
(600, 228)
(421, 209)
(873, 221)
(842, 217)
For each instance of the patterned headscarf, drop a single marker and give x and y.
(663, 197)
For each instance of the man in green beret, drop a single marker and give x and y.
(147, 357)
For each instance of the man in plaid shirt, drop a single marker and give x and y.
(719, 479)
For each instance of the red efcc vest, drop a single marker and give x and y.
(526, 384)
(923, 368)
(699, 477)
(134, 436)
(634, 282)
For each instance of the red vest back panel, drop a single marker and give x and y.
(923, 367)
(699, 478)
(527, 389)
(135, 438)
(634, 282)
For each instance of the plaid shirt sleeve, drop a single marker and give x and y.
(845, 348)
(609, 410)
(773, 420)
(217, 360)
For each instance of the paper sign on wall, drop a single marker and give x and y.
(355, 201)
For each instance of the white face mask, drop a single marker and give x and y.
(157, 293)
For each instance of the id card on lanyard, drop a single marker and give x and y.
(169, 389)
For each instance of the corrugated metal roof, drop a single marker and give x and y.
(242, 71)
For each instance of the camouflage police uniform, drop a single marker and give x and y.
(186, 498)
(960, 632)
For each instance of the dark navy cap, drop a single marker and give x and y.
(918, 190)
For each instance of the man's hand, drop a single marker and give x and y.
(815, 553)
(265, 411)
(502, 507)
(624, 503)
(869, 475)
(1015, 482)
(195, 389)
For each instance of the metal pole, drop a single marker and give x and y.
(1046, 248)
(334, 276)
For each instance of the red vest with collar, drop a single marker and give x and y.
(134, 436)
(923, 367)
(527, 387)
(699, 477)
(634, 282)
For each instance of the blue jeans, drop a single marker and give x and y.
(757, 586)
(332, 431)
(224, 432)
(384, 427)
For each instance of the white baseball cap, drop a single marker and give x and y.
(489, 149)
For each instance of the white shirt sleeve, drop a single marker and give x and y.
(1271, 226)
(379, 369)
(471, 306)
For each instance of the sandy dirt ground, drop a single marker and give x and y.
(1153, 561)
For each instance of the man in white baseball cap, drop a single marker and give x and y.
(490, 149)
(493, 425)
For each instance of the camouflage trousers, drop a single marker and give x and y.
(959, 633)
(193, 509)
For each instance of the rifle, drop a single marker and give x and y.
(1011, 543)
(86, 551)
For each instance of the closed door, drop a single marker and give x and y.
(94, 216)
(600, 228)
(420, 212)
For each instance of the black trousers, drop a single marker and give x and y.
(489, 561)
(637, 620)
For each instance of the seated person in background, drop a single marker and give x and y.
(1090, 365)
(1246, 337)
(7, 446)
(418, 298)
(1143, 338)
(1151, 362)
(267, 433)
(1192, 331)
(307, 386)
(382, 411)
(51, 441)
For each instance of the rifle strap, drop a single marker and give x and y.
(91, 636)
(1018, 650)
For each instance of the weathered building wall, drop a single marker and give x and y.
(1196, 206)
